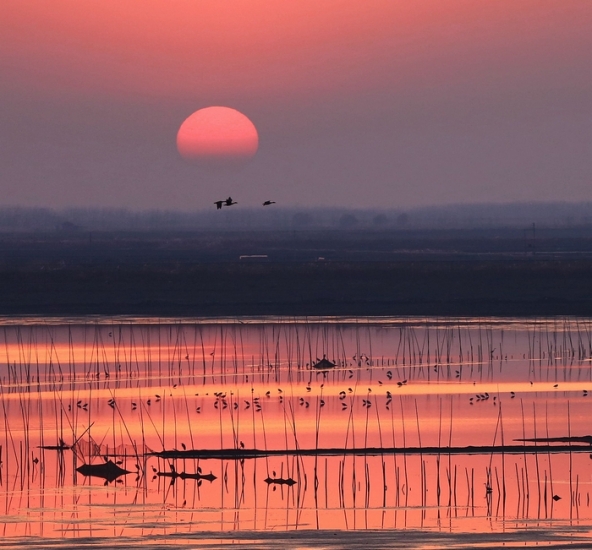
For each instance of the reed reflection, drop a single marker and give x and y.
(464, 425)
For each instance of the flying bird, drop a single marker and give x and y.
(267, 203)
(229, 202)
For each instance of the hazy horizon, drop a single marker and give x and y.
(453, 216)
(386, 104)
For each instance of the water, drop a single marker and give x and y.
(414, 429)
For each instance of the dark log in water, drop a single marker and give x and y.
(184, 475)
(280, 481)
(59, 448)
(105, 470)
(242, 454)
(62, 445)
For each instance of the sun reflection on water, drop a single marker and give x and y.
(229, 427)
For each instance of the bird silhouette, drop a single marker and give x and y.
(229, 202)
(219, 204)
(267, 203)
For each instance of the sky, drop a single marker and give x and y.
(378, 104)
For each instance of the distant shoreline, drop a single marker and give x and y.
(317, 273)
(436, 288)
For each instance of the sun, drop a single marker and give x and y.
(217, 136)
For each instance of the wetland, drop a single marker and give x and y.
(212, 431)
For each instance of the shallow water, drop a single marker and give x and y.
(374, 444)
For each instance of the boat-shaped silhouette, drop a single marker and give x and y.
(108, 471)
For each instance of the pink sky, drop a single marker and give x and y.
(383, 103)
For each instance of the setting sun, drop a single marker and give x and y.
(217, 136)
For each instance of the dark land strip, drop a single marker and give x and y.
(360, 275)
(438, 288)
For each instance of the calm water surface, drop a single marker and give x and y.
(214, 432)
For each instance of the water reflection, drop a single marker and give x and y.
(137, 429)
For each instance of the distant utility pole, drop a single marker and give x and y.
(530, 246)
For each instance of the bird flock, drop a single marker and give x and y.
(230, 202)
